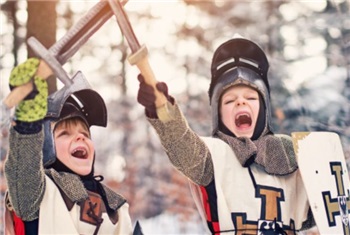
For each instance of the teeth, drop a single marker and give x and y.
(79, 152)
(242, 115)
(242, 119)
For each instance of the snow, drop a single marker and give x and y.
(171, 224)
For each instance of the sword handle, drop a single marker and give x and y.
(20, 92)
(140, 59)
(62, 50)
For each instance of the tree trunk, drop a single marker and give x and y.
(42, 25)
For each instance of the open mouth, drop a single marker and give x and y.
(79, 153)
(243, 120)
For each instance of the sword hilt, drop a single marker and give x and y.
(76, 36)
(139, 58)
(63, 49)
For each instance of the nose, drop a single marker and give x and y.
(240, 101)
(79, 136)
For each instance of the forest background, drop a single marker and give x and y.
(307, 43)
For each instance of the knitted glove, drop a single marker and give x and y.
(147, 98)
(34, 106)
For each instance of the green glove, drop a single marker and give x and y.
(34, 106)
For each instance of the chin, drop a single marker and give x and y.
(83, 172)
(240, 134)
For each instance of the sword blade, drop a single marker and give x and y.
(58, 54)
(140, 59)
(76, 36)
(124, 25)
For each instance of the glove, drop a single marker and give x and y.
(34, 106)
(147, 98)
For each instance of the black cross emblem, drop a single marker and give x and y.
(338, 206)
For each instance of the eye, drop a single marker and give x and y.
(61, 133)
(86, 134)
(228, 100)
(251, 96)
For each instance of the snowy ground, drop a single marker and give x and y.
(171, 224)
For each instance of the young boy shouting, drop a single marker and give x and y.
(51, 187)
(244, 178)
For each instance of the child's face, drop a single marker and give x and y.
(74, 146)
(239, 109)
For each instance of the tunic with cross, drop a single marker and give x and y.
(230, 198)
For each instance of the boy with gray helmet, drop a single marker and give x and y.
(244, 178)
(52, 188)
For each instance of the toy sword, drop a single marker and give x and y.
(56, 56)
(139, 58)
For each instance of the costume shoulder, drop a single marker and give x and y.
(287, 142)
(68, 183)
(115, 200)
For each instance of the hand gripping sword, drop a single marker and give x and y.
(139, 58)
(56, 56)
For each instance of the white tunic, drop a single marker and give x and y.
(56, 219)
(251, 200)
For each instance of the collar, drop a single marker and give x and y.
(72, 186)
(274, 153)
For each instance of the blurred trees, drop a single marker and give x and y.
(307, 43)
(41, 24)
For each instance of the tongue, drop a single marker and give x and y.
(243, 121)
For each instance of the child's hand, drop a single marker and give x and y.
(147, 97)
(34, 106)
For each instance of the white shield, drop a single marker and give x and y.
(325, 175)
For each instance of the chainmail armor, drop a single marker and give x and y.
(74, 188)
(23, 169)
(25, 178)
(275, 153)
(186, 151)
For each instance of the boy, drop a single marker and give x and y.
(244, 178)
(58, 193)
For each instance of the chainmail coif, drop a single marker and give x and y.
(274, 153)
(74, 188)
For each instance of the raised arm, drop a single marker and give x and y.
(23, 168)
(186, 151)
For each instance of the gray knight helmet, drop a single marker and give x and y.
(78, 100)
(239, 61)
